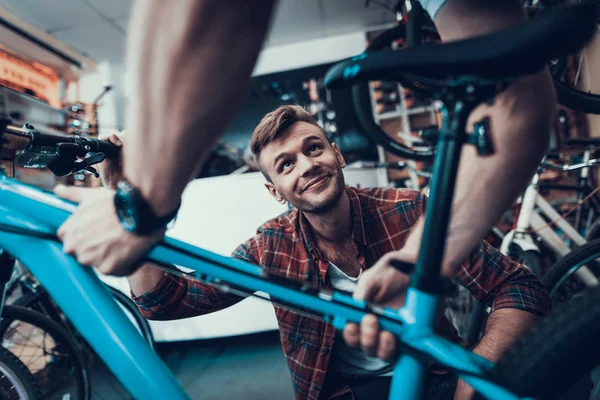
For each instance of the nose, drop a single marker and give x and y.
(307, 165)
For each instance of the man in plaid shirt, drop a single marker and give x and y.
(343, 237)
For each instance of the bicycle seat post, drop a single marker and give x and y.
(427, 286)
(455, 112)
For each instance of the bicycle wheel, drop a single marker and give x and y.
(48, 351)
(550, 359)
(361, 96)
(16, 381)
(559, 280)
(133, 313)
(32, 300)
(573, 74)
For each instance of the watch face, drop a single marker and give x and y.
(125, 207)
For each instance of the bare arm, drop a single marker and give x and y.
(503, 328)
(521, 119)
(144, 279)
(190, 63)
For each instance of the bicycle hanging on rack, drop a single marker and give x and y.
(521, 242)
(31, 217)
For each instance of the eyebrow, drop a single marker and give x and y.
(308, 139)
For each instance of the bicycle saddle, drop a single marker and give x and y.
(519, 50)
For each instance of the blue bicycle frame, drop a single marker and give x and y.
(30, 218)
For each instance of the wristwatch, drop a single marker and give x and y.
(134, 212)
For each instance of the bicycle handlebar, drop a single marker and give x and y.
(58, 153)
(27, 137)
(566, 168)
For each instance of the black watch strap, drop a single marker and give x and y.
(135, 213)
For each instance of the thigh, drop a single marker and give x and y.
(441, 387)
(374, 389)
(437, 387)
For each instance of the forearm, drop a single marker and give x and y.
(190, 64)
(144, 279)
(521, 120)
(162, 296)
(503, 328)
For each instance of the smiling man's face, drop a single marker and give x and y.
(304, 168)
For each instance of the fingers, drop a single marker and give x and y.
(71, 193)
(386, 348)
(369, 335)
(351, 334)
(367, 286)
(115, 137)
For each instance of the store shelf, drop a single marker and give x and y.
(39, 46)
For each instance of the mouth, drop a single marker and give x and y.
(316, 183)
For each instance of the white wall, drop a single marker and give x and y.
(218, 214)
(110, 113)
(308, 53)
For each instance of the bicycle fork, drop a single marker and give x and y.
(7, 264)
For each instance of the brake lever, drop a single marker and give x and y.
(87, 163)
(65, 168)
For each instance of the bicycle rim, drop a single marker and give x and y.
(48, 351)
(16, 381)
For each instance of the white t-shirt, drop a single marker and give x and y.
(347, 360)
(432, 6)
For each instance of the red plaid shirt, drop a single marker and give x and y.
(382, 219)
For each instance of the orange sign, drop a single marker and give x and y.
(29, 77)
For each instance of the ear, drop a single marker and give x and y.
(271, 188)
(338, 155)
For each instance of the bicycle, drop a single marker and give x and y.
(75, 359)
(570, 73)
(16, 382)
(31, 216)
(35, 297)
(561, 278)
(521, 244)
(47, 351)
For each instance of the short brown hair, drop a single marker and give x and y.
(275, 123)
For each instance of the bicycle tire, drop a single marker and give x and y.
(78, 373)
(361, 99)
(567, 95)
(30, 300)
(556, 353)
(567, 265)
(141, 323)
(575, 99)
(14, 373)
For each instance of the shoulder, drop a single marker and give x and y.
(280, 227)
(388, 197)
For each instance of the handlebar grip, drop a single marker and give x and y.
(109, 149)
